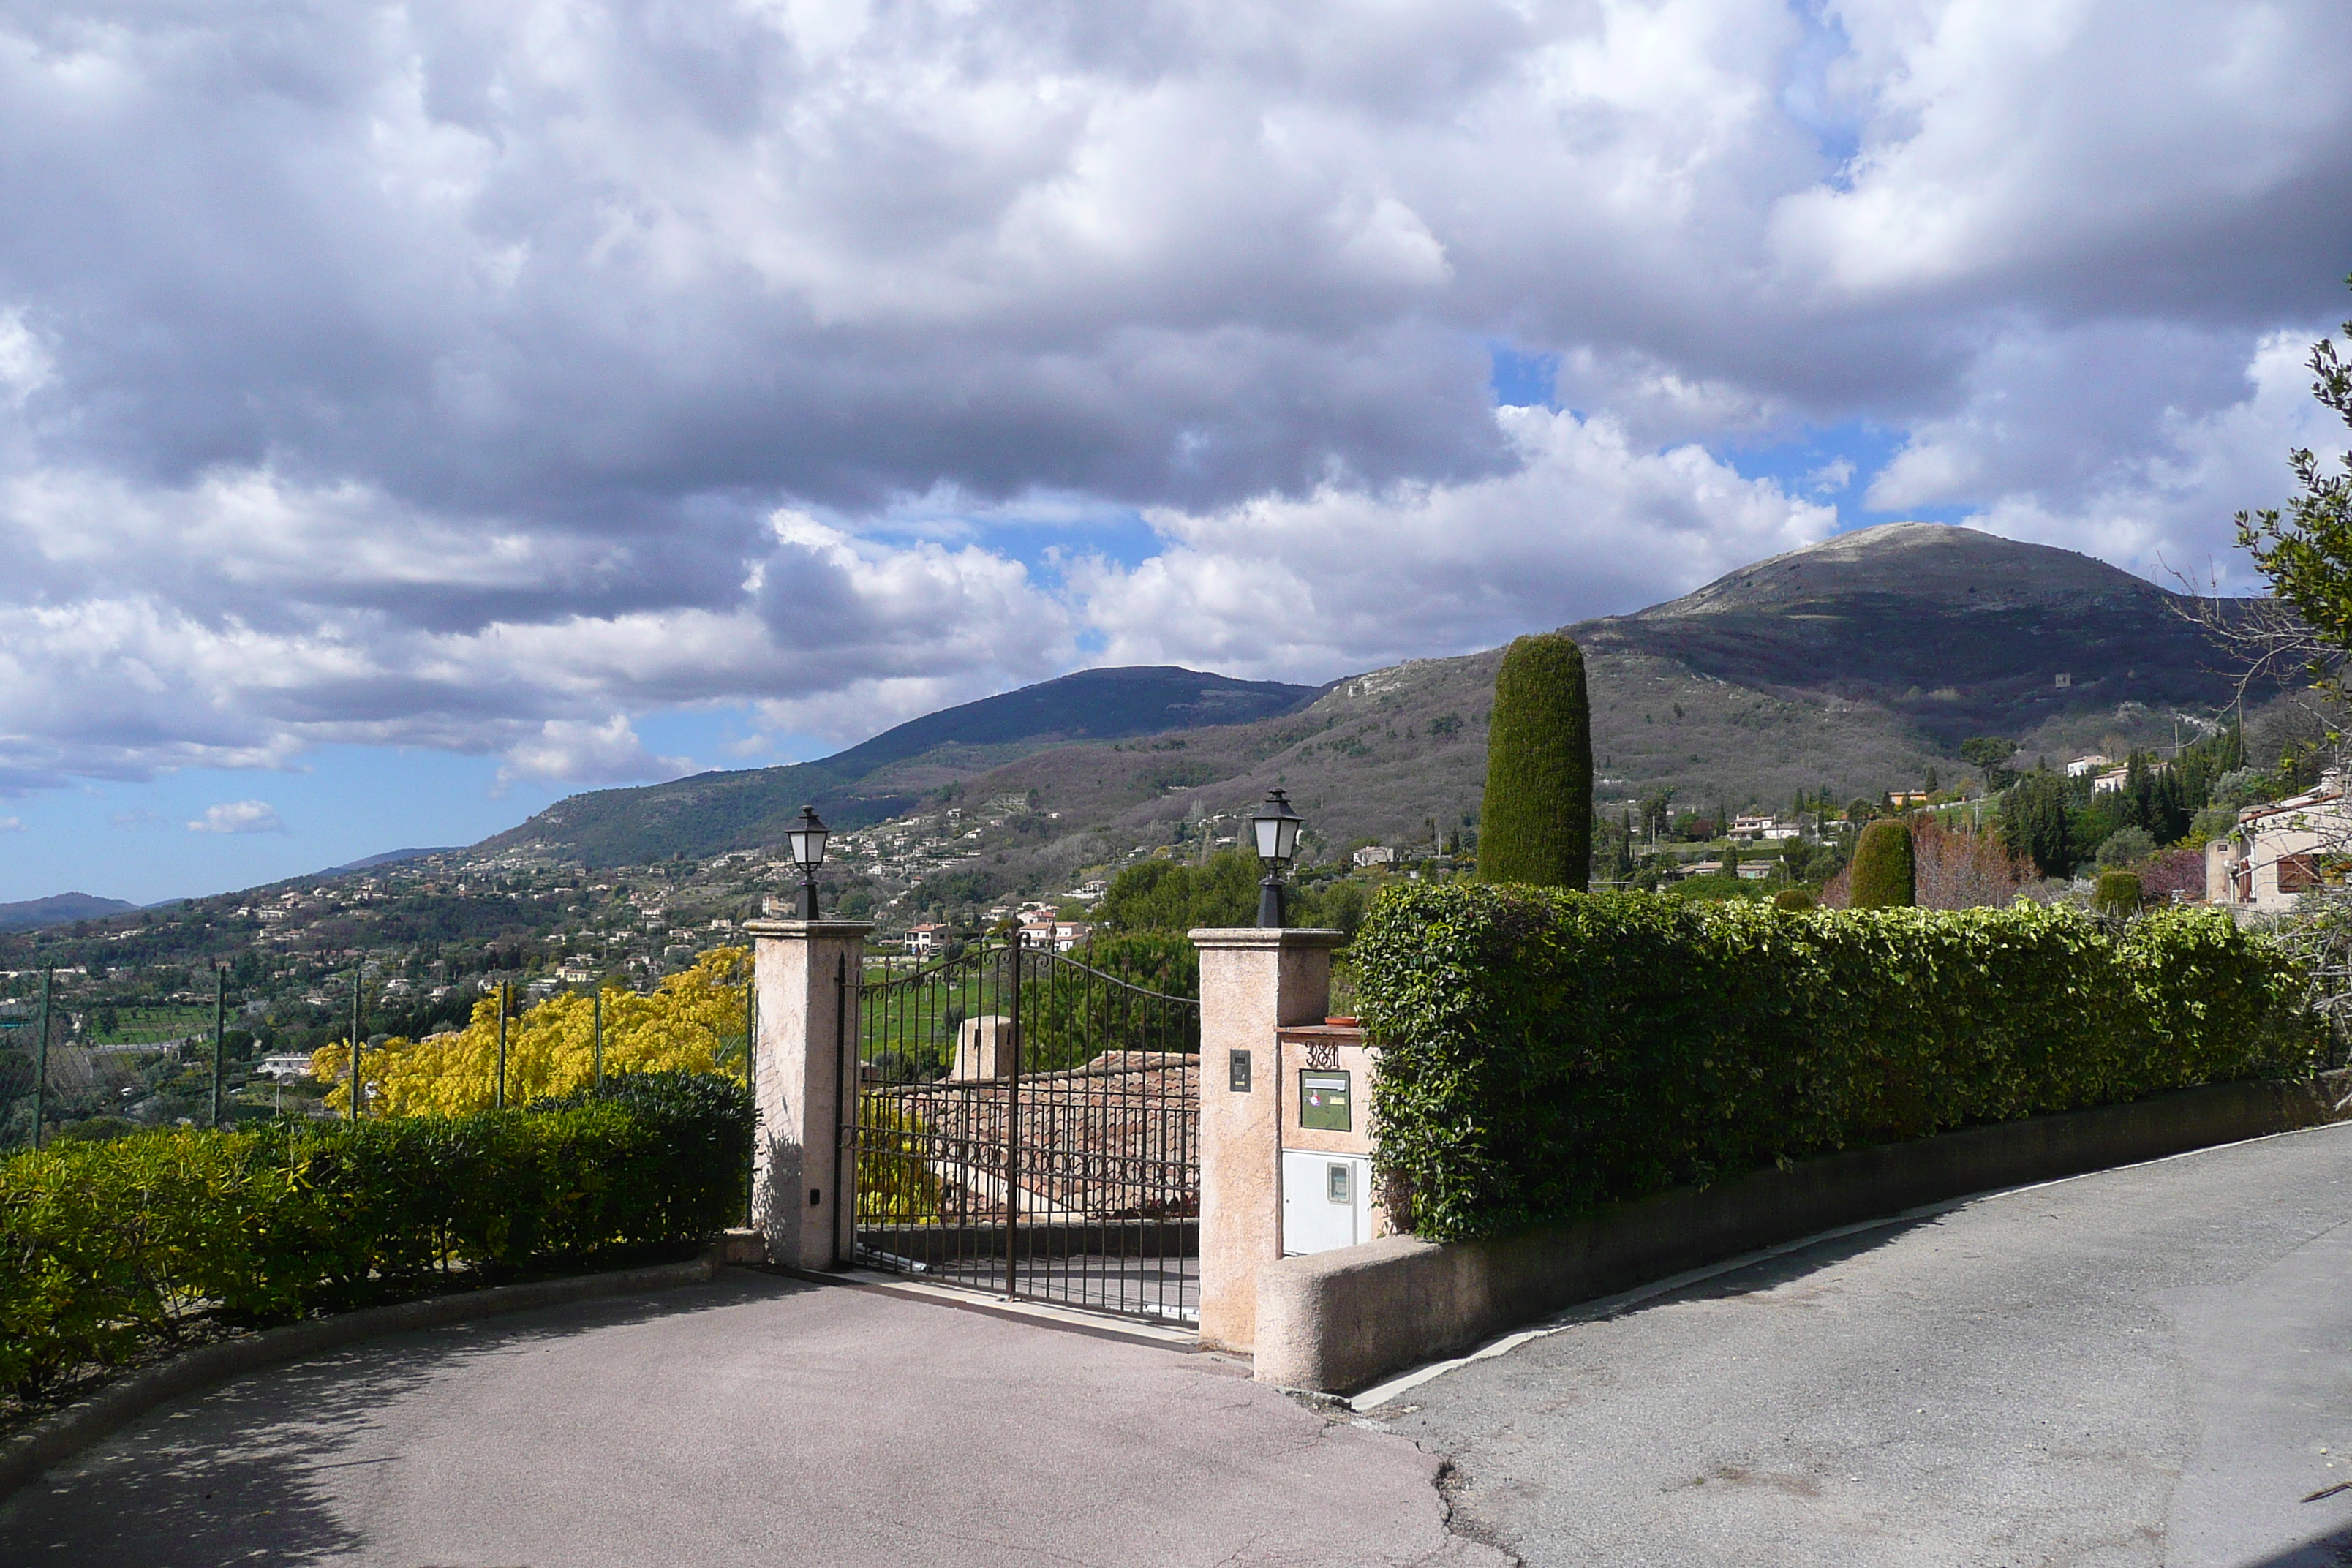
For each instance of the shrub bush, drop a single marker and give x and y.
(1793, 900)
(1543, 1052)
(2116, 893)
(1885, 873)
(107, 1249)
(1535, 818)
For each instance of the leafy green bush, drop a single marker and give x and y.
(1169, 896)
(1794, 899)
(1535, 818)
(1885, 875)
(107, 1248)
(1544, 1051)
(2116, 893)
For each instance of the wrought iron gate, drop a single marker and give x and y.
(1027, 1123)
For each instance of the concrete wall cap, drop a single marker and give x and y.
(1264, 937)
(1365, 1257)
(805, 931)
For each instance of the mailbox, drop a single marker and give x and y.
(1323, 1101)
(1326, 1201)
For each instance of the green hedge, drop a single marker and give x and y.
(1544, 1051)
(107, 1249)
(1885, 874)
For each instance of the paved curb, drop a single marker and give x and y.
(1341, 1320)
(60, 1436)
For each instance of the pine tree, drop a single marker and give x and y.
(1884, 875)
(1537, 819)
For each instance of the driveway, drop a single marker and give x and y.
(2145, 1366)
(756, 1420)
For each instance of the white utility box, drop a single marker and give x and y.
(1326, 1201)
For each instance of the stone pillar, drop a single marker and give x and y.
(985, 1048)
(1252, 982)
(807, 973)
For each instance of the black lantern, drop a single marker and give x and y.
(1275, 828)
(804, 844)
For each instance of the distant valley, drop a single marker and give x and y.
(1849, 668)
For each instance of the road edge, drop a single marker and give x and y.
(53, 1438)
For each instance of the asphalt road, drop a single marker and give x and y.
(2141, 1367)
(753, 1421)
(2145, 1366)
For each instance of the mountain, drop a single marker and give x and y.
(887, 775)
(1958, 632)
(1852, 667)
(58, 909)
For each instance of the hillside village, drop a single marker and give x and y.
(1739, 748)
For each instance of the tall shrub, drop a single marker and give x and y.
(1884, 875)
(2116, 893)
(1536, 822)
(694, 1022)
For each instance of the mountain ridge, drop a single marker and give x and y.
(60, 908)
(889, 772)
(1849, 666)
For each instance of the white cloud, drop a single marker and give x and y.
(25, 362)
(1349, 578)
(2160, 502)
(465, 376)
(566, 750)
(12, 824)
(1829, 478)
(239, 816)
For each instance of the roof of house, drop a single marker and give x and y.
(2303, 802)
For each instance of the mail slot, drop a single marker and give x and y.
(1323, 1101)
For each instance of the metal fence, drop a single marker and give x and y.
(1029, 1124)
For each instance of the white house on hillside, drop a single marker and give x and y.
(2274, 854)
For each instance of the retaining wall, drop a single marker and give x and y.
(1340, 1320)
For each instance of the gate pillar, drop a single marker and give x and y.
(1254, 980)
(807, 973)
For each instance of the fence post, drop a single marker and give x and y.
(751, 1084)
(806, 974)
(220, 1020)
(1254, 980)
(41, 1056)
(359, 968)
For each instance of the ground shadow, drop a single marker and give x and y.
(229, 1476)
(1781, 1268)
(2332, 1549)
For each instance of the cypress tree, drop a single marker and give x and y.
(2116, 893)
(1536, 822)
(1883, 875)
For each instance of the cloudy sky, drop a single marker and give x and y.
(410, 413)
